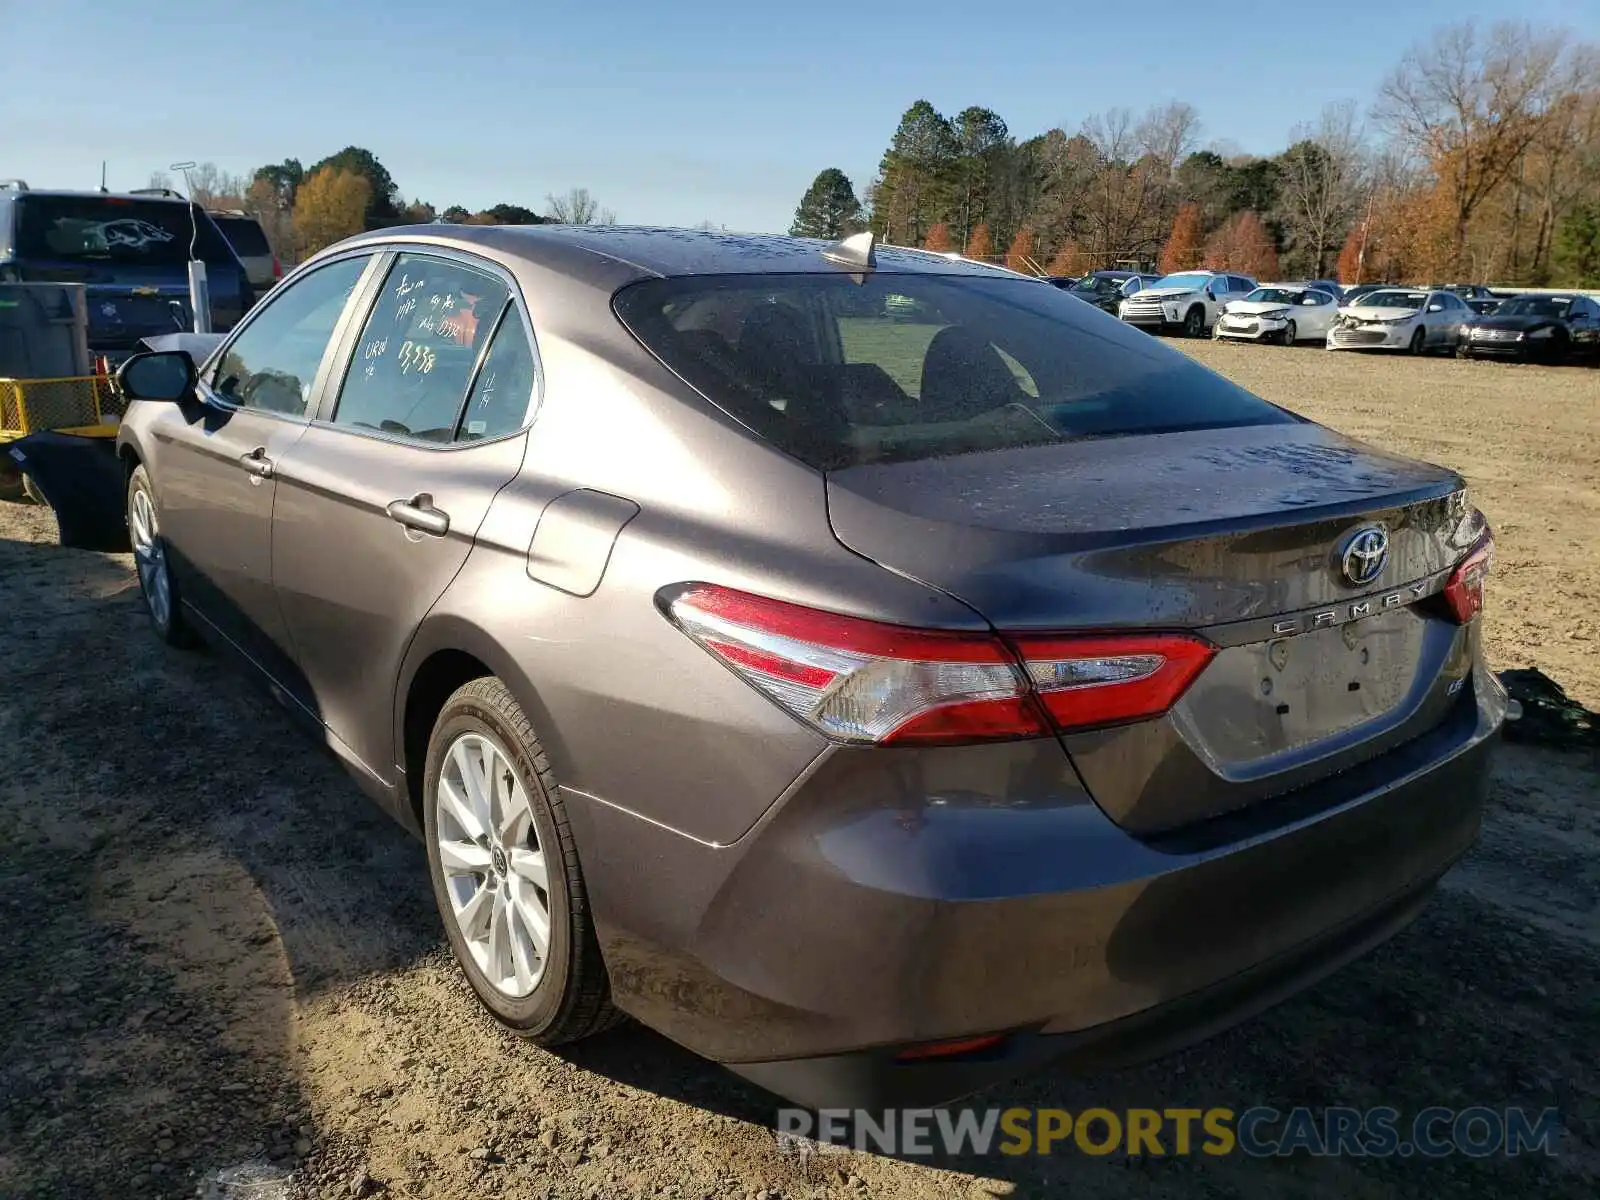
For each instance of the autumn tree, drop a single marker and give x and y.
(264, 202)
(1244, 245)
(938, 238)
(1020, 256)
(980, 245)
(829, 209)
(1351, 267)
(283, 178)
(1068, 260)
(382, 194)
(329, 206)
(1471, 105)
(1182, 249)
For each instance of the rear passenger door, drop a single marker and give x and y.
(422, 423)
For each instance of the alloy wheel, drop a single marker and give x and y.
(1290, 333)
(494, 868)
(150, 556)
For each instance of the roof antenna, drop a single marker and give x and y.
(853, 251)
(102, 175)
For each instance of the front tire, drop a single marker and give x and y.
(1194, 322)
(152, 559)
(1290, 333)
(505, 871)
(1418, 342)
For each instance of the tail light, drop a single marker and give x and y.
(870, 683)
(1463, 594)
(277, 268)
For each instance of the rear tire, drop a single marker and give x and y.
(152, 560)
(1194, 322)
(497, 845)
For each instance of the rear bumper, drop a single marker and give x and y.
(874, 1079)
(899, 897)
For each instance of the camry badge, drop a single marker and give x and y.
(1364, 555)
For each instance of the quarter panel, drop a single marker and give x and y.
(635, 712)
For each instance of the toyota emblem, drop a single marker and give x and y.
(1365, 553)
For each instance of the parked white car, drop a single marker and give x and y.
(1401, 319)
(1279, 312)
(1190, 301)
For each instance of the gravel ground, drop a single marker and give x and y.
(221, 959)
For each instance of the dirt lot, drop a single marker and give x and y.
(219, 954)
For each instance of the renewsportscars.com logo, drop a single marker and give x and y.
(1259, 1132)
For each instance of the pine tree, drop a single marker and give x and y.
(829, 209)
(1182, 250)
(980, 245)
(938, 238)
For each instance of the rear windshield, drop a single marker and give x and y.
(244, 235)
(152, 233)
(914, 366)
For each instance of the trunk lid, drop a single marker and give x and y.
(1238, 533)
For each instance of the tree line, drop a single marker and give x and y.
(302, 209)
(1479, 160)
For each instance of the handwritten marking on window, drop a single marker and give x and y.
(375, 348)
(407, 285)
(414, 356)
(405, 309)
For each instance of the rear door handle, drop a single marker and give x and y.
(419, 513)
(257, 462)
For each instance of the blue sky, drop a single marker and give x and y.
(668, 113)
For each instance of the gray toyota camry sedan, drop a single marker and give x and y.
(880, 673)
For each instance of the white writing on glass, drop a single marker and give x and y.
(416, 356)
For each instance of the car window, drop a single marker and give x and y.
(504, 387)
(1241, 285)
(912, 366)
(244, 234)
(117, 230)
(273, 361)
(419, 347)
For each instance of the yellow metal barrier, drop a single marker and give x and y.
(87, 405)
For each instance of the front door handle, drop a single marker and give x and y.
(419, 513)
(257, 462)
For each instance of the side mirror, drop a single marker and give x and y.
(158, 375)
(1435, 308)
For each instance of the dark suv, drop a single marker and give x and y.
(131, 251)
